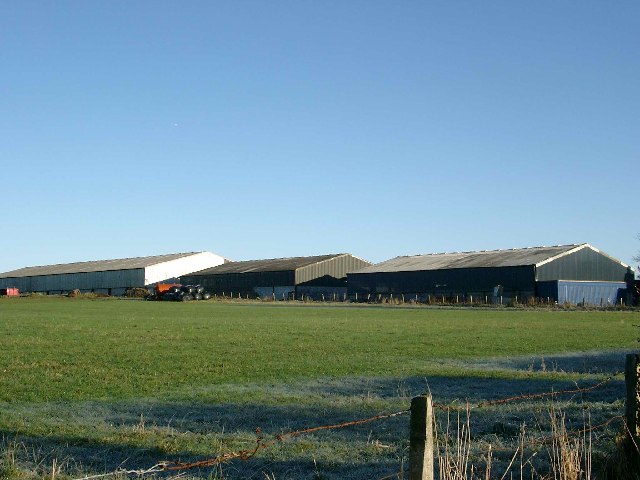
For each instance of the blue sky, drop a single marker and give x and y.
(261, 129)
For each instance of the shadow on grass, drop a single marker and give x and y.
(356, 455)
(598, 362)
(104, 436)
(95, 458)
(364, 398)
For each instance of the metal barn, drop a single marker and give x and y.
(111, 277)
(518, 274)
(317, 277)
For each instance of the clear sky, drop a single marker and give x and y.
(259, 129)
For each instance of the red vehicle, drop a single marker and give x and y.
(9, 292)
(163, 288)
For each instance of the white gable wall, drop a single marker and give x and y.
(181, 266)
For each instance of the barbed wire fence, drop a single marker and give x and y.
(422, 432)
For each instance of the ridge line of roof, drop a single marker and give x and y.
(577, 248)
(170, 254)
(488, 251)
(108, 260)
(288, 258)
(361, 259)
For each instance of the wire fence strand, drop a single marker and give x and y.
(529, 396)
(263, 443)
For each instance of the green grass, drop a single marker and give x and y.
(99, 384)
(65, 349)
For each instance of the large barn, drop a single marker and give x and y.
(317, 277)
(111, 277)
(566, 274)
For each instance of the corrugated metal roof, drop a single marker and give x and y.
(267, 265)
(95, 266)
(486, 258)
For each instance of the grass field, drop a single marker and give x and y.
(95, 383)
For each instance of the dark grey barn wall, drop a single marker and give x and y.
(240, 282)
(335, 267)
(473, 281)
(586, 265)
(116, 280)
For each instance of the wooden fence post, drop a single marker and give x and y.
(421, 439)
(632, 406)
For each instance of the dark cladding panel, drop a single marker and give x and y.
(473, 281)
(239, 282)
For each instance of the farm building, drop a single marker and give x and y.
(111, 277)
(281, 278)
(566, 274)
